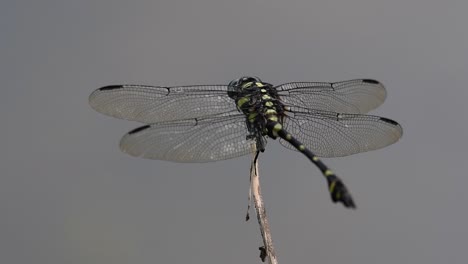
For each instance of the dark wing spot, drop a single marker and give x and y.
(370, 81)
(110, 87)
(389, 121)
(138, 129)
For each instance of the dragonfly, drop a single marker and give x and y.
(204, 123)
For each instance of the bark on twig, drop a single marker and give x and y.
(267, 250)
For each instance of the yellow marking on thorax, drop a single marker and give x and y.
(252, 117)
(259, 84)
(269, 104)
(266, 97)
(247, 84)
(270, 112)
(242, 101)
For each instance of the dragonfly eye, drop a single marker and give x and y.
(234, 83)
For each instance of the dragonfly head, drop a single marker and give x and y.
(239, 84)
(243, 81)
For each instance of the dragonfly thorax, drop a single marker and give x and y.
(260, 103)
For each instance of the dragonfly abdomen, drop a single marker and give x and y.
(336, 187)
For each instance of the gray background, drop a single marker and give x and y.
(68, 195)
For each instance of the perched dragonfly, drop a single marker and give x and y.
(203, 123)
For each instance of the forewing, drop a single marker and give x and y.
(329, 134)
(192, 140)
(354, 96)
(152, 104)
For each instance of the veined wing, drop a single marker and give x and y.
(330, 134)
(193, 140)
(151, 104)
(354, 96)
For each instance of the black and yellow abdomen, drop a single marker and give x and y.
(336, 187)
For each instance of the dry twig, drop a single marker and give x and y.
(267, 250)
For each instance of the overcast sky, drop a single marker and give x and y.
(68, 195)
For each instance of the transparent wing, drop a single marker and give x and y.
(353, 96)
(192, 140)
(151, 104)
(330, 134)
